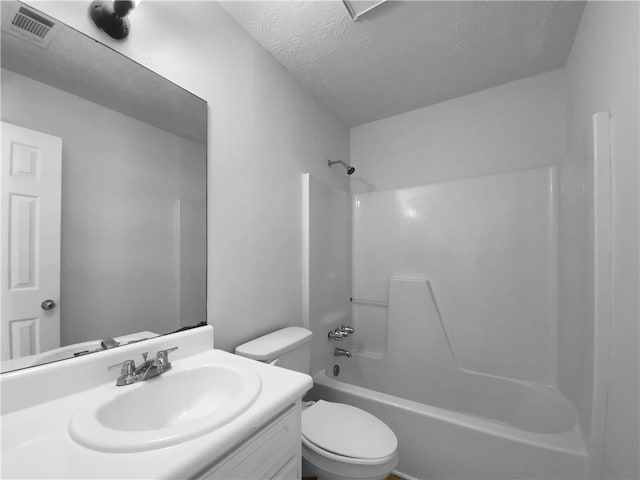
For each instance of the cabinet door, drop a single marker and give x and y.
(274, 452)
(288, 472)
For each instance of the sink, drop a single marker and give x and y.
(176, 406)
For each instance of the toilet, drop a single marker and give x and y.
(339, 441)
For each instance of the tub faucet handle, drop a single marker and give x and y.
(336, 334)
(346, 330)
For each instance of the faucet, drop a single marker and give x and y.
(107, 343)
(341, 352)
(340, 333)
(146, 370)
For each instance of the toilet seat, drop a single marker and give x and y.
(341, 458)
(347, 434)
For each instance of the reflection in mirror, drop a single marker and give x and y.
(103, 197)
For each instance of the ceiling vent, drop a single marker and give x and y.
(28, 24)
(357, 8)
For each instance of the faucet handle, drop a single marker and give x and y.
(128, 367)
(163, 355)
(127, 374)
(336, 334)
(347, 330)
(144, 356)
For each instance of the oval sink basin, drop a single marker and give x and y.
(173, 407)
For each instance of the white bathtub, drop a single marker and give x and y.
(524, 405)
(537, 437)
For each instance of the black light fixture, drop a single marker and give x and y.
(111, 17)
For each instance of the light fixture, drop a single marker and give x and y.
(111, 17)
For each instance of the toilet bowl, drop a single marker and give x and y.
(339, 441)
(342, 442)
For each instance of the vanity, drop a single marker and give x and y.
(212, 415)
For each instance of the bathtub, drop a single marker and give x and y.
(536, 434)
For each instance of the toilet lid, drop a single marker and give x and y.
(348, 431)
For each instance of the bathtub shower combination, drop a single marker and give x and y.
(455, 302)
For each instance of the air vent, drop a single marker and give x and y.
(357, 8)
(32, 23)
(28, 24)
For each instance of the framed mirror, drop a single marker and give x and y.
(102, 199)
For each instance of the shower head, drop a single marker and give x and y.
(349, 168)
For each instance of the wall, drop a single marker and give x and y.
(603, 75)
(515, 126)
(264, 131)
(119, 254)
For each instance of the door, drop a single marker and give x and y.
(30, 191)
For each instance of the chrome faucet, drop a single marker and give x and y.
(341, 352)
(146, 370)
(340, 333)
(107, 343)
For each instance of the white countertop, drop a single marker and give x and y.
(36, 442)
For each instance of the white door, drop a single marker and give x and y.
(30, 258)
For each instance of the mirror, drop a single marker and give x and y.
(103, 196)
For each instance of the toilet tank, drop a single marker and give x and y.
(289, 348)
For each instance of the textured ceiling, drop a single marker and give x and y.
(405, 55)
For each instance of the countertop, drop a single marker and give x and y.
(36, 441)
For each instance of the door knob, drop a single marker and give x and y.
(48, 304)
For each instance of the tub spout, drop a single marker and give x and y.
(341, 352)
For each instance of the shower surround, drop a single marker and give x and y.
(487, 248)
(483, 265)
(454, 300)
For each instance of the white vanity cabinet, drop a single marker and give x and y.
(273, 453)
